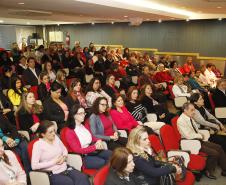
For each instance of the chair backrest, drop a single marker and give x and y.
(101, 176)
(220, 112)
(34, 89)
(170, 87)
(30, 147)
(179, 101)
(210, 95)
(156, 143)
(169, 138)
(174, 125)
(63, 138)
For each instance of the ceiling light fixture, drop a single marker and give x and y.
(147, 19)
(219, 7)
(112, 22)
(1, 21)
(187, 20)
(125, 16)
(160, 20)
(21, 3)
(28, 23)
(220, 18)
(93, 23)
(58, 24)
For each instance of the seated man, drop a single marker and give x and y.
(219, 95)
(189, 130)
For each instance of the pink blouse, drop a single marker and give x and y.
(65, 109)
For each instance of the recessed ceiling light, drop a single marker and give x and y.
(147, 19)
(160, 20)
(20, 3)
(172, 18)
(187, 20)
(93, 23)
(1, 21)
(125, 16)
(28, 23)
(112, 22)
(220, 18)
(219, 7)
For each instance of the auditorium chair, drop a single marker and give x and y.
(38, 177)
(180, 101)
(212, 104)
(171, 142)
(158, 147)
(101, 176)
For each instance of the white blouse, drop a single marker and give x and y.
(84, 135)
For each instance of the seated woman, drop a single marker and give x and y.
(147, 169)
(102, 126)
(13, 141)
(121, 116)
(49, 70)
(110, 87)
(207, 120)
(55, 108)
(49, 154)
(179, 89)
(61, 80)
(11, 171)
(94, 91)
(121, 168)
(162, 75)
(43, 87)
(6, 76)
(139, 112)
(174, 70)
(152, 106)
(15, 92)
(75, 95)
(29, 113)
(79, 140)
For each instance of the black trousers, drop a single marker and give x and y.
(219, 139)
(121, 142)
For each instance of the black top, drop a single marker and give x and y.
(133, 70)
(64, 90)
(150, 170)
(114, 179)
(43, 94)
(110, 91)
(219, 98)
(148, 104)
(29, 78)
(137, 110)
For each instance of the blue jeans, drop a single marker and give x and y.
(74, 177)
(97, 161)
(21, 150)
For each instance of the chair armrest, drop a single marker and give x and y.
(179, 101)
(25, 134)
(220, 112)
(123, 133)
(74, 160)
(184, 154)
(152, 117)
(191, 145)
(39, 177)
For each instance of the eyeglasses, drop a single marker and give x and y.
(103, 104)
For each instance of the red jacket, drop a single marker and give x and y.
(74, 145)
(163, 76)
(188, 68)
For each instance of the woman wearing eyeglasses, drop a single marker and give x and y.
(102, 125)
(79, 140)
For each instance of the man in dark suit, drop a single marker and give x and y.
(219, 96)
(31, 74)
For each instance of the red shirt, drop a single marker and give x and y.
(108, 126)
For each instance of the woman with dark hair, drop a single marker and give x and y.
(49, 154)
(29, 113)
(139, 112)
(152, 106)
(174, 70)
(55, 108)
(110, 87)
(121, 116)
(44, 86)
(16, 90)
(121, 168)
(126, 54)
(11, 171)
(61, 80)
(102, 125)
(49, 70)
(80, 140)
(75, 95)
(94, 91)
(207, 120)
(6, 77)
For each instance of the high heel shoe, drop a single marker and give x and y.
(210, 176)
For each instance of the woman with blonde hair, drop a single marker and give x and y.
(147, 169)
(29, 113)
(179, 88)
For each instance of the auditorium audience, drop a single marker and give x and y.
(49, 154)
(11, 171)
(189, 130)
(79, 140)
(102, 125)
(121, 168)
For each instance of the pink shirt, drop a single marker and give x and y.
(108, 125)
(123, 120)
(44, 156)
(65, 109)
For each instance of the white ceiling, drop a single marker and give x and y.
(43, 12)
